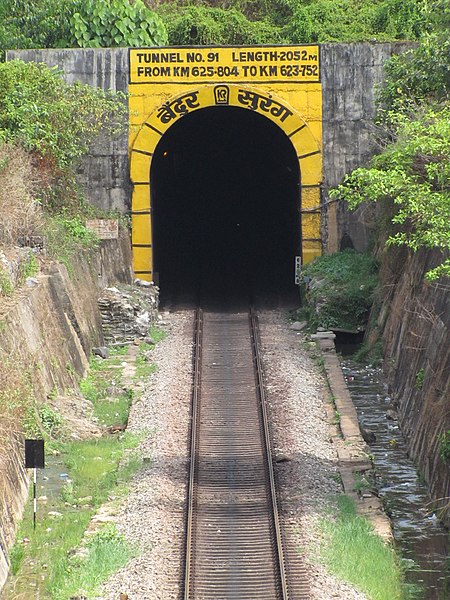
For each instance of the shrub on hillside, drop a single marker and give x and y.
(205, 25)
(78, 23)
(340, 292)
(45, 115)
(96, 23)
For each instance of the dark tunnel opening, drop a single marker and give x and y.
(225, 206)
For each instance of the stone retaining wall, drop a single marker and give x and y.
(414, 321)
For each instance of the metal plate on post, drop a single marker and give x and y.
(34, 454)
(298, 269)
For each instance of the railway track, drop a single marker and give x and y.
(234, 547)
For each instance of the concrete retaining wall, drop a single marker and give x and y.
(349, 73)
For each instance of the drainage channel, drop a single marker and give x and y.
(421, 539)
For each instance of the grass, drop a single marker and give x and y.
(354, 553)
(104, 376)
(107, 551)
(157, 334)
(144, 368)
(6, 287)
(372, 354)
(98, 469)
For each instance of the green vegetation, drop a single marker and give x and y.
(17, 401)
(89, 23)
(6, 287)
(420, 375)
(144, 368)
(412, 175)
(115, 23)
(51, 118)
(156, 334)
(206, 25)
(98, 468)
(29, 268)
(370, 353)
(107, 551)
(50, 419)
(102, 387)
(353, 552)
(444, 446)
(78, 23)
(290, 21)
(46, 126)
(341, 289)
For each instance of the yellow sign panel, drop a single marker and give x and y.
(289, 64)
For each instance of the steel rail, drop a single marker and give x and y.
(197, 356)
(259, 375)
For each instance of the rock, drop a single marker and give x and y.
(143, 323)
(281, 458)
(149, 340)
(323, 335)
(391, 414)
(31, 282)
(114, 391)
(298, 325)
(116, 428)
(142, 283)
(123, 596)
(128, 312)
(368, 436)
(101, 351)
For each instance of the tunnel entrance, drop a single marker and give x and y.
(225, 208)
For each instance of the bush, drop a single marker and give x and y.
(413, 173)
(38, 24)
(115, 23)
(203, 26)
(341, 289)
(47, 116)
(347, 21)
(83, 23)
(416, 77)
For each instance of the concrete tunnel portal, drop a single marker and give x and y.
(225, 207)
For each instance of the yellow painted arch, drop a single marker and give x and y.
(143, 145)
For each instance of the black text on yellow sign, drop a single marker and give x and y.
(296, 64)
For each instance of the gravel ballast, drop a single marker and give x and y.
(153, 513)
